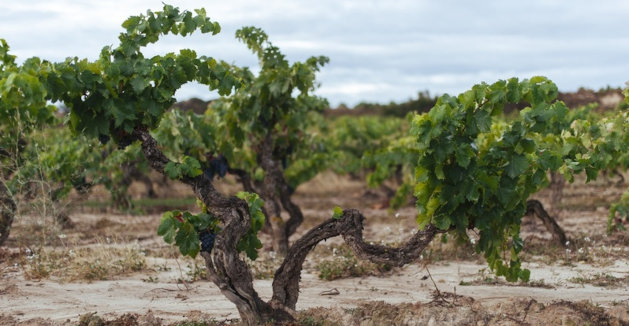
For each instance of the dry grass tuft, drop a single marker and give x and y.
(343, 264)
(101, 262)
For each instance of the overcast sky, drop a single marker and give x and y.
(379, 51)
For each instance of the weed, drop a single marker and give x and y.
(143, 205)
(194, 323)
(164, 251)
(88, 263)
(202, 322)
(602, 280)
(344, 264)
(91, 319)
(195, 272)
(488, 278)
(162, 268)
(313, 321)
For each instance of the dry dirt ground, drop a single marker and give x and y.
(112, 269)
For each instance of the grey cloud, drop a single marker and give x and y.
(379, 51)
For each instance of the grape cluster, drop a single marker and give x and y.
(216, 167)
(123, 142)
(207, 240)
(103, 139)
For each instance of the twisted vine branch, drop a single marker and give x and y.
(350, 227)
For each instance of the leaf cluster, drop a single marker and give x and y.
(182, 229)
(123, 90)
(276, 103)
(250, 243)
(58, 159)
(466, 181)
(189, 167)
(23, 105)
(477, 171)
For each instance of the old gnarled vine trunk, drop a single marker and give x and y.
(276, 193)
(231, 274)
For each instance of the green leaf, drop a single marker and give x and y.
(252, 249)
(432, 205)
(528, 145)
(463, 155)
(473, 195)
(439, 172)
(483, 120)
(337, 213)
(524, 275)
(120, 114)
(518, 244)
(513, 91)
(167, 228)
(187, 240)
(591, 173)
(173, 170)
(250, 243)
(517, 166)
(204, 221)
(442, 221)
(422, 220)
(255, 204)
(131, 23)
(138, 84)
(191, 167)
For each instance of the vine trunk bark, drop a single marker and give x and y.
(535, 207)
(8, 208)
(277, 194)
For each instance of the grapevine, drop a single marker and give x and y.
(470, 170)
(262, 138)
(23, 108)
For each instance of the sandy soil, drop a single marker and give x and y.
(594, 270)
(171, 301)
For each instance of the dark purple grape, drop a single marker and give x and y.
(124, 142)
(104, 139)
(207, 240)
(217, 166)
(222, 166)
